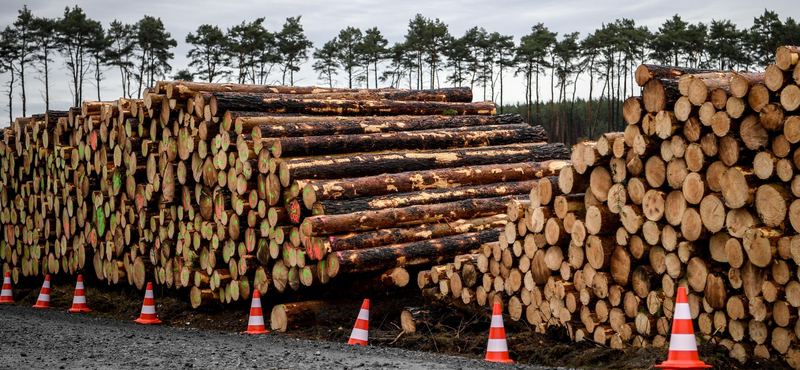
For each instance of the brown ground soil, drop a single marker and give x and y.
(454, 333)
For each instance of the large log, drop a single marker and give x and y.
(372, 164)
(271, 125)
(289, 315)
(185, 90)
(646, 72)
(394, 217)
(221, 101)
(409, 254)
(450, 138)
(446, 178)
(658, 94)
(318, 247)
(334, 207)
(452, 94)
(786, 57)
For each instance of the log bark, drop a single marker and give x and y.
(222, 101)
(450, 138)
(396, 217)
(335, 207)
(403, 182)
(408, 254)
(318, 247)
(645, 72)
(371, 164)
(270, 125)
(185, 90)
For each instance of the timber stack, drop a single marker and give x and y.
(219, 189)
(701, 190)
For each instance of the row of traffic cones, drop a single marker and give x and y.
(78, 300)
(148, 315)
(682, 348)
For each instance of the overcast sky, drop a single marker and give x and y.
(322, 21)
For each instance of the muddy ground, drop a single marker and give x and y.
(451, 333)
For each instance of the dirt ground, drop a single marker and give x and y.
(454, 333)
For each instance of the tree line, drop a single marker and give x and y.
(428, 56)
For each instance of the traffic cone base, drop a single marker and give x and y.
(6, 295)
(148, 315)
(682, 343)
(497, 348)
(44, 295)
(79, 299)
(255, 324)
(360, 334)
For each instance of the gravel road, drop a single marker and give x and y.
(53, 339)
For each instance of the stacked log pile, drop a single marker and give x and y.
(218, 189)
(701, 190)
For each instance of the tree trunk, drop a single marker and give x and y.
(646, 72)
(404, 182)
(265, 125)
(371, 164)
(394, 217)
(297, 314)
(258, 102)
(453, 138)
(319, 247)
(408, 254)
(334, 207)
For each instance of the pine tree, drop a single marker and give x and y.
(119, 52)
(183, 75)
(670, 41)
(252, 51)
(532, 60)
(373, 51)
(45, 42)
(208, 54)
(725, 46)
(7, 57)
(97, 52)
(436, 38)
(348, 46)
(153, 45)
(326, 63)
(504, 58)
(76, 35)
(764, 37)
(458, 56)
(293, 47)
(25, 44)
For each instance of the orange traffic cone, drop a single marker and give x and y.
(682, 343)
(255, 325)
(5, 295)
(79, 299)
(497, 349)
(44, 295)
(148, 315)
(360, 333)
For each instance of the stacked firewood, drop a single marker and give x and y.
(701, 190)
(219, 189)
